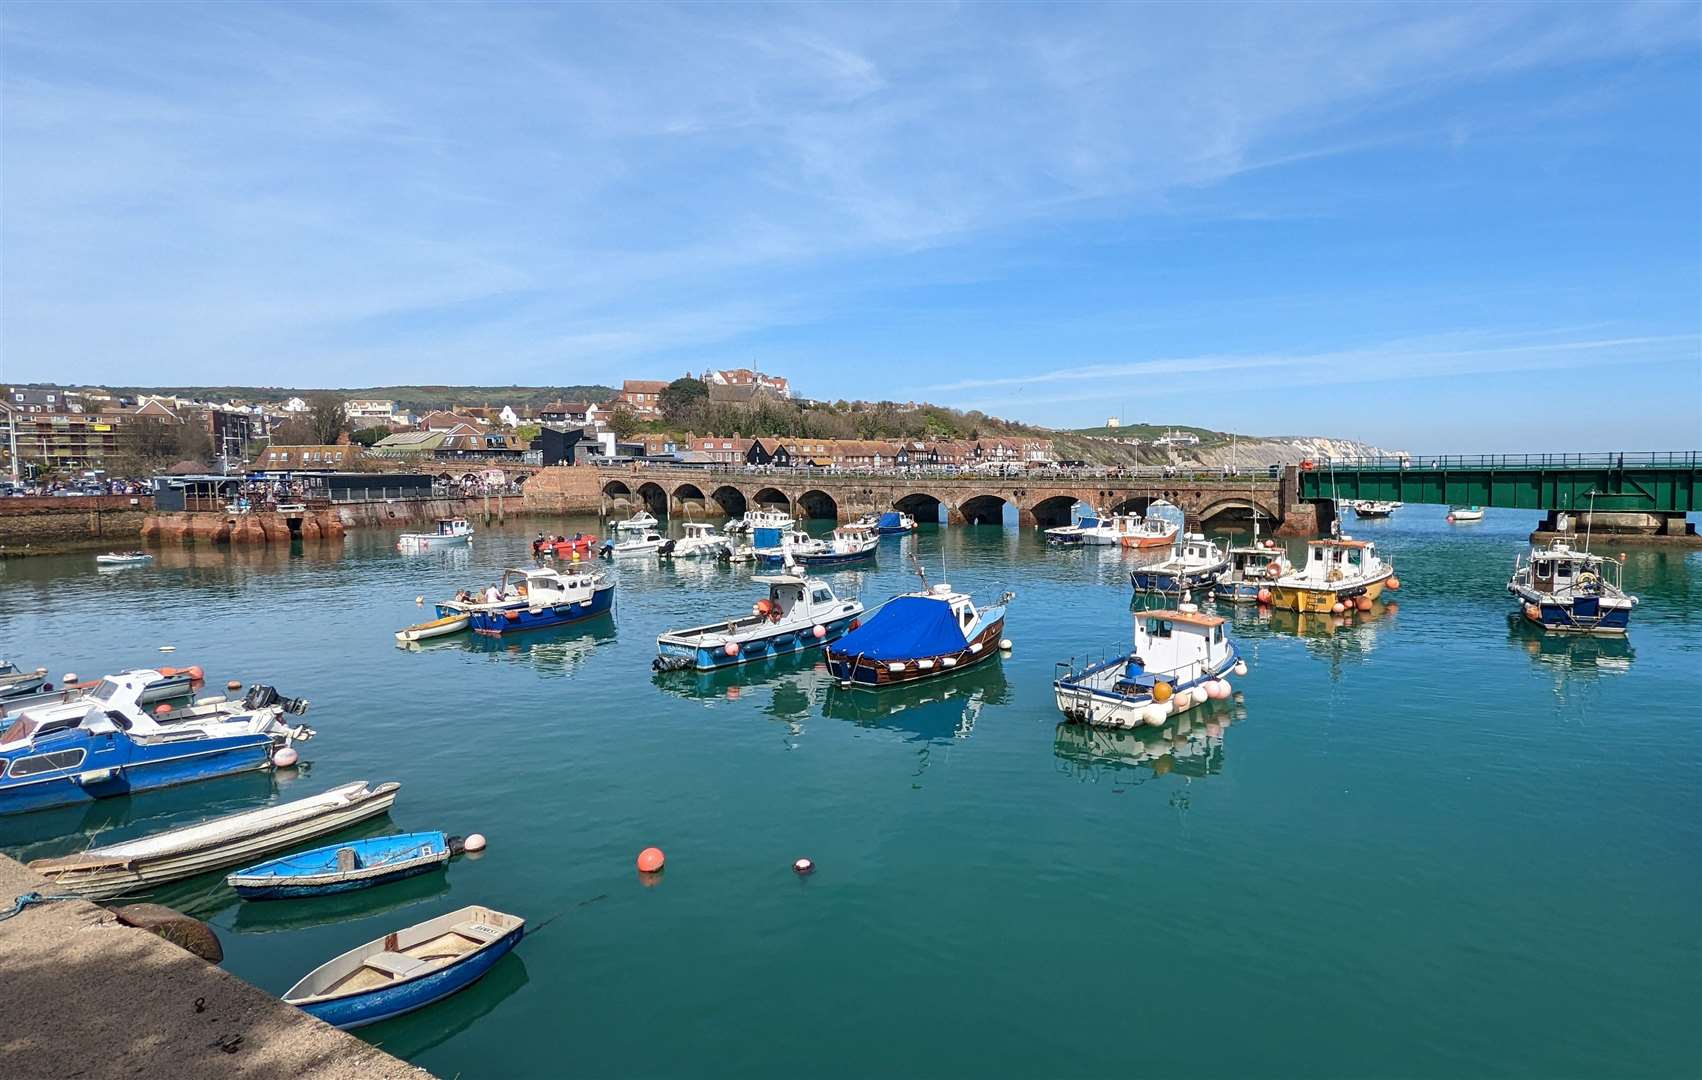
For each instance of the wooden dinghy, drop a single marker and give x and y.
(341, 868)
(134, 865)
(450, 624)
(407, 969)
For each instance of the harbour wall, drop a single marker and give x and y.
(90, 998)
(565, 489)
(316, 523)
(50, 524)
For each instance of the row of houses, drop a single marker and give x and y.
(48, 430)
(785, 452)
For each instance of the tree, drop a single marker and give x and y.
(369, 436)
(679, 397)
(326, 418)
(623, 422)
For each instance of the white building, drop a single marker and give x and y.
(370, 413)
(293, 405)
(1177, 438)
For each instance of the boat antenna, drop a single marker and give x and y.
(921, 573)
(1591, 524)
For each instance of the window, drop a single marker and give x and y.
(1217, 634)
(821, 596)
(46, 763)
(1158, 627)
(105, 690)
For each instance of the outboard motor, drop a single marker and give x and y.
(667, 548)
(261, 696)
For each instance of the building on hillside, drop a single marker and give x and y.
(504, 416)
(774, 384)
(720, 449)
(864, 454)
(1177, 438)
(370, 413)
(25, 400)
(445, 420)
(292, 405)
(335, 457)
(61, 441)
(571, 414)
(642, 396)
(413, 444)
(1113, 421)
(480, 446)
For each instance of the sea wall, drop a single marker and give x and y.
(90, 998)
(326, 523)
(45, 525)
(564, 489)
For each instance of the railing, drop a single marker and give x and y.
(1014, 470)
(1612, 460)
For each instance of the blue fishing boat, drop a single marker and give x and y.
(889, 523)
(918, 636)
(15, 681)
(407, 969)
(535, 598)
(799, 613)
(341, 868)
(847, 545)
(103, 742)
(1195, 563)
(1571, 591)
(776, 546)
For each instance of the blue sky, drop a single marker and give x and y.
(1437, 226)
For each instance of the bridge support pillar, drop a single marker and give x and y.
(1026, 518)
(1308, 519)
(1620, 526)
(954, 516)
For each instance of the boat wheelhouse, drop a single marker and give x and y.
(1571, 591)
(1335, 572)
(761, 519)
(1253, 569)
(538, 597)
(800, 613)
(1149, 532)
(702, 541)
(917, 636)
(775, 546)
(450, 532)
(1194, 563)
(1181, 658)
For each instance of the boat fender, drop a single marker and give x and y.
(286, 757)
(819, 631)
(1273, 571)
(511, 616)
(1240, 667)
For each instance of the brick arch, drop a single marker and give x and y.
(924, 506)
(688, 496)
(1053, 510)
(769, 495)
(816, 503)
(731, 500)
(983, 508)
(1238, 506)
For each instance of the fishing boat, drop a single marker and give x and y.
(1336, 572)
(701, 541)
(1194, 563)
(103, 742)
(887, 523)
(1374, 508)
(538, 597)
(566, 548)
(450, 532)
(134, 865)
(439, 627)
(637, 544)
(1460, 514)
(800, 613)
(124, 558)
(15, 681)
(171, 684)
(1149, 532)
(1084, 520)
(1181, 658)
(643, 521)
(341, 868)
(919, 635)
(1253, 569)
(775, 546)
(847, 545)
(407, 969)
(760, 519)
(1563, 589)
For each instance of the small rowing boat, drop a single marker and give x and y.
(407, 969)
(341, 868)
(123, 558)
(16, 682)
(134, 865)
(450, 624)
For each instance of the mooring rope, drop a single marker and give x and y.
(24, 900)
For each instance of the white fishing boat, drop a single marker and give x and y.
(799, 613)
(700, 542)
(1459, 514)
(133, 865)
(1194, 563)
(761, 519)
(1253, 569)
(1374, 508)
(451, 532)
(453, 623)
(124, 558)
(1180, 659)
(643, 521)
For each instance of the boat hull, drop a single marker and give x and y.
(369, 1008)
(448, 624)
(1146, 543)
(1578, 616)
(1321, 598)
(833, 558)
(1238, 592)
(316, 873)
(854, 671)
(785, 643)
(110, 768)
(1154, 580)
(514, 619)
(418, 542)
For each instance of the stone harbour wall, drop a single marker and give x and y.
(326, 523)
(44, 526)
(565, 489)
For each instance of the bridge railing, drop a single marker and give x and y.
(1001, 471)
(1615, 459)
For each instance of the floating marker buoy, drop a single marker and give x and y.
(161, 709)
(1005, 645)
(234, 684)
(168, 648)
(196, 673)
(803, 867)
(286, 757)
(68, 678)
(1393, 584)
(731, 648)
(419, 600)
(474, 842)
(820, 632)
(650, 860)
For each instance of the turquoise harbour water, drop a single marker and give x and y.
(1426, 842)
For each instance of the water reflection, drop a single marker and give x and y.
(939, 711)
(1336, 639)
(272, 916)
(551, 651)
(407, 1037)
(63, 830)
(1584, 655)
(1189, 745)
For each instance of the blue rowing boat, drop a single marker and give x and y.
(407, 969)
(341, 868)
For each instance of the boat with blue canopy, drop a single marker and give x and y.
(888, 523)
(341, 868)
(919, 635)
(407, 969)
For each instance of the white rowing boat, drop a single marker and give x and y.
(449, 624)
(133, 865)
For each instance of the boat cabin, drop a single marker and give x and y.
(1340, 560)
(453, 527)
(1195, 549)
(1179, 644)
(1559, 568)
(1256, 562)
(540, 586)
(698, 530)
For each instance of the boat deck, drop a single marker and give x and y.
(383, 968)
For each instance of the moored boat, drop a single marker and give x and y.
(407, 969)
(1084, 520)
(1181, 658)
(1571, 591)
(1194, 563)
(124, 558)
(1336, 572)
(1459, 514)
(701, 541)
(917, 636)
(450, 532)
(887, 523)
(439, 627)
(629, 544)
(101, 741)
(345, 867)
(761, 518)
(1149, 532)
(15, 681)
(776, 546)
(800, 613)
(846, 545)
(1374, 508)
(538, 597)
(1253, 569)
(133, 865)
(643, 521)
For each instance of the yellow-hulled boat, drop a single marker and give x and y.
(1335, 572)
(449, 624)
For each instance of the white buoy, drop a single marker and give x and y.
(474, 842)
(68, 678)
(286, 757)
(419, 600)
(1240, 668)
(1005, 644)
(168, 648)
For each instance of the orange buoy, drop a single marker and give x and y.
(1161, 692)
(1264, 596)
(650, 860)
(196, 673)
(1363, 603)
(1622, 556)
(234, 684)
(731, 648)
(1393, 584)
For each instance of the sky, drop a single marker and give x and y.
(1435, 227)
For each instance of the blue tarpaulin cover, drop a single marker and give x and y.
(906, 628)
(889, 520)
(765, 538)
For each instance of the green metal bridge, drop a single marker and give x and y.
(1662, 485)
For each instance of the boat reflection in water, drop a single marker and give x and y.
(940, 710)
(1188, 745)
(286, 915)
(1584, 655)
(411, 1035)
(556, 650)
(1337, 639)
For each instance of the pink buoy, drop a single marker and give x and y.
(286, 757)
(820, 632)
(234, 684)
(731, 648)
(1337, 608)
(196, 673)
(475, 842)
(803, 867)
